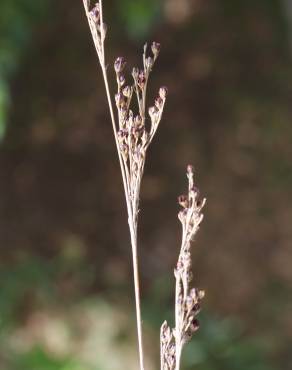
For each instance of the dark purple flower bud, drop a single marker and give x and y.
(163, 92)
(119, 64)
(141, 80)
(122, 80)
(183, 201)
(195, 325)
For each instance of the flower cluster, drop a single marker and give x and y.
(187, 300)
(133, 136)
(167, 347)
(97, 26)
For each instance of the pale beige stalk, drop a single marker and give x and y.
(131, 137)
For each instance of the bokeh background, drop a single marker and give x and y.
(66, 295)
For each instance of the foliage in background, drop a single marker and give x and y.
(139, 15)
(264, 103)
(219, 344)
(17, 21)
(24, 345)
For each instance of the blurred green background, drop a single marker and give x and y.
(66, 297)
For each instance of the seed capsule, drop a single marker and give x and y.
(125, 151)
(163, 92)
(94, 13)
(119, 64)
(183, 201)
(159, 102)
(120, 100)
(135, 73)
(195, 325)
(122, 135)
(127, 91)
(149, 63)
(138, 120)
(141, 80)
(122, 80)
(152, 111)
(155, 47)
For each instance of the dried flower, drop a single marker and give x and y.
(122, 80)
(138, 120)
(155, 47)
(163, 92)
(195, 324)
(187, 301)
(152, 111)
(159, 103)
(120, 100)
(135, 73)
(141, 79)
(149, 63)
(183, 201)
(127, 91)
(94, 13)
(119, 64)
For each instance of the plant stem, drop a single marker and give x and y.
(177, 325)
(132, 221)
(131, 203)
(133, 232)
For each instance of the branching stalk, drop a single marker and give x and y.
(131, 137)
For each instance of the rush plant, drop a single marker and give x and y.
(133, 134)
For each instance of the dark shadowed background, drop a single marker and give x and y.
(66, 295)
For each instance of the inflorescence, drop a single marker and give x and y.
(187, 300)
